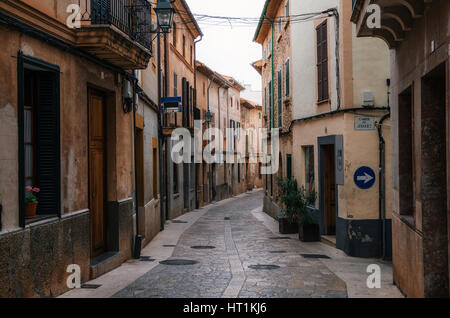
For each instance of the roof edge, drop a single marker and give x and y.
(261, 19)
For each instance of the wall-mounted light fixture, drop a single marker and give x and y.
(127, 95)
(164, 14)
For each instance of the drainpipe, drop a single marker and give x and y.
(138, 238)
(382, 184)
(160, 140)
(166, 183)
(272, 123)
(197, 201)
(210, 188)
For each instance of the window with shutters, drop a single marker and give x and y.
(265, 100)
(280, 102)
(175, 84)
(238, 132)
(175, 179)
(270, 105)
(39, 135)
(174, 34)
(289, 166)
(322, 62)
(287, 82)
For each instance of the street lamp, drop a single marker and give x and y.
(164, 14)
(208, 117)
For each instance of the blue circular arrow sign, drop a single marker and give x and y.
(364, 178)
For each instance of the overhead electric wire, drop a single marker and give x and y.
(232, 22)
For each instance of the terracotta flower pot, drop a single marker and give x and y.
(30, 210)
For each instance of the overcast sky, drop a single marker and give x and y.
(230, 50)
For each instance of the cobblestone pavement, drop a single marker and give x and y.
(225, 271)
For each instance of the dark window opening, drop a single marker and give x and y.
(289, 166)
(406, 155)
(39, 135)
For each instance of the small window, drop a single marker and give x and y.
(184, 46)
(309, 169)
(286, 7)
(39, 136)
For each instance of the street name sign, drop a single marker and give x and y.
(364, 123)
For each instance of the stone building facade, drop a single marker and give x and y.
(178, 77)
(323, 144)
(251, 120)
(65, 127)
(417, 33)
(274, 35)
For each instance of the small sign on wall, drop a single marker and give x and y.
(364, 178)
(364, 123)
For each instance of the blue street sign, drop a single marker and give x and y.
(176, 99)
(171, 104)
(364, 178)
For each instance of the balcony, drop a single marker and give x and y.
(397, 18)
(117, 31)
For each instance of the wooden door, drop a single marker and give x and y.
(329, 188)
(97, 184)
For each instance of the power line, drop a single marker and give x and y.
(232, 22)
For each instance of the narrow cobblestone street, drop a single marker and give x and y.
(225, 270)
(226, 240)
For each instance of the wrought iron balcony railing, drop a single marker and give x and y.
(133, 17)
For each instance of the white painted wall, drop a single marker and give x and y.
(303, 44)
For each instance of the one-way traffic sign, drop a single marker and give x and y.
(364, 178)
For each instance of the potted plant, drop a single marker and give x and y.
(308, 230)
(31, 202)
(287, 196)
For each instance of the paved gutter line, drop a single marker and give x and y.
(237, 270)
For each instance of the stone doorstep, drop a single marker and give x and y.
(329, 240)
(104, 263)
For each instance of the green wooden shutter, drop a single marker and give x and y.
(280, 102)
(288, 74)
(48, 143)
(289, 166)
